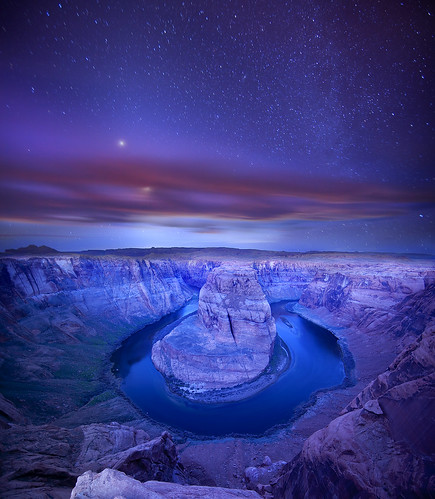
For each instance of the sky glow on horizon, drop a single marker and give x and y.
(273, 125)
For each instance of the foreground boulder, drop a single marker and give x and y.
(229, 342)
(384, 446)
(110, 484)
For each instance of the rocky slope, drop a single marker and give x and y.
(45, 461)
(229, 341)
(383, 446)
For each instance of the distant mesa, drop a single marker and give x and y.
(229, 342)
(32, 249)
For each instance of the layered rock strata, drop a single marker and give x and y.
(229, 342)
(61, 316)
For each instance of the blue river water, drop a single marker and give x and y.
(316, 364)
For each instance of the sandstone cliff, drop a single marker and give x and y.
(382, 446)
(364, 294)
(61, 315)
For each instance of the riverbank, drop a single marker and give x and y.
(279, 363)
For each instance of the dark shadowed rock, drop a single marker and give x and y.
(47, 459)
(414, 314)
(111, 484)
(9, 414)
(416, 363)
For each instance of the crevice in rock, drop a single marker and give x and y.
(231, 327)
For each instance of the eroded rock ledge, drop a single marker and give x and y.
(229, 342)
(110, 484)
(380, 446)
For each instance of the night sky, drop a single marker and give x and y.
(300, 125)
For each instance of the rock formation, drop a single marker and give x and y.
(48, 459)
(361, 295)
(110, 484)
(259, 478)
(9, 414)
(228, 343)
(384, 443)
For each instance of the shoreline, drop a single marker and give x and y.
(279, 363)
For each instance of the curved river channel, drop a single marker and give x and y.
(316, 364)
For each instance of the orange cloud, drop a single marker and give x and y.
(117, 191)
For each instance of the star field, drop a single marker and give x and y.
(300, 102)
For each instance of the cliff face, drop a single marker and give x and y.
(286, 280)
(382, 445)
(62, 316)
(233, 306)
(363, 294)
(119, 289)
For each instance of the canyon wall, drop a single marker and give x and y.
(381, 446)
(61, 317)
(382, 443)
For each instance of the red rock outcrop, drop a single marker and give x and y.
(231, 340)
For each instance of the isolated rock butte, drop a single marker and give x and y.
(231, 339)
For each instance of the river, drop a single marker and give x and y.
(316, 364)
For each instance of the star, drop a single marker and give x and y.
(121, 143)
